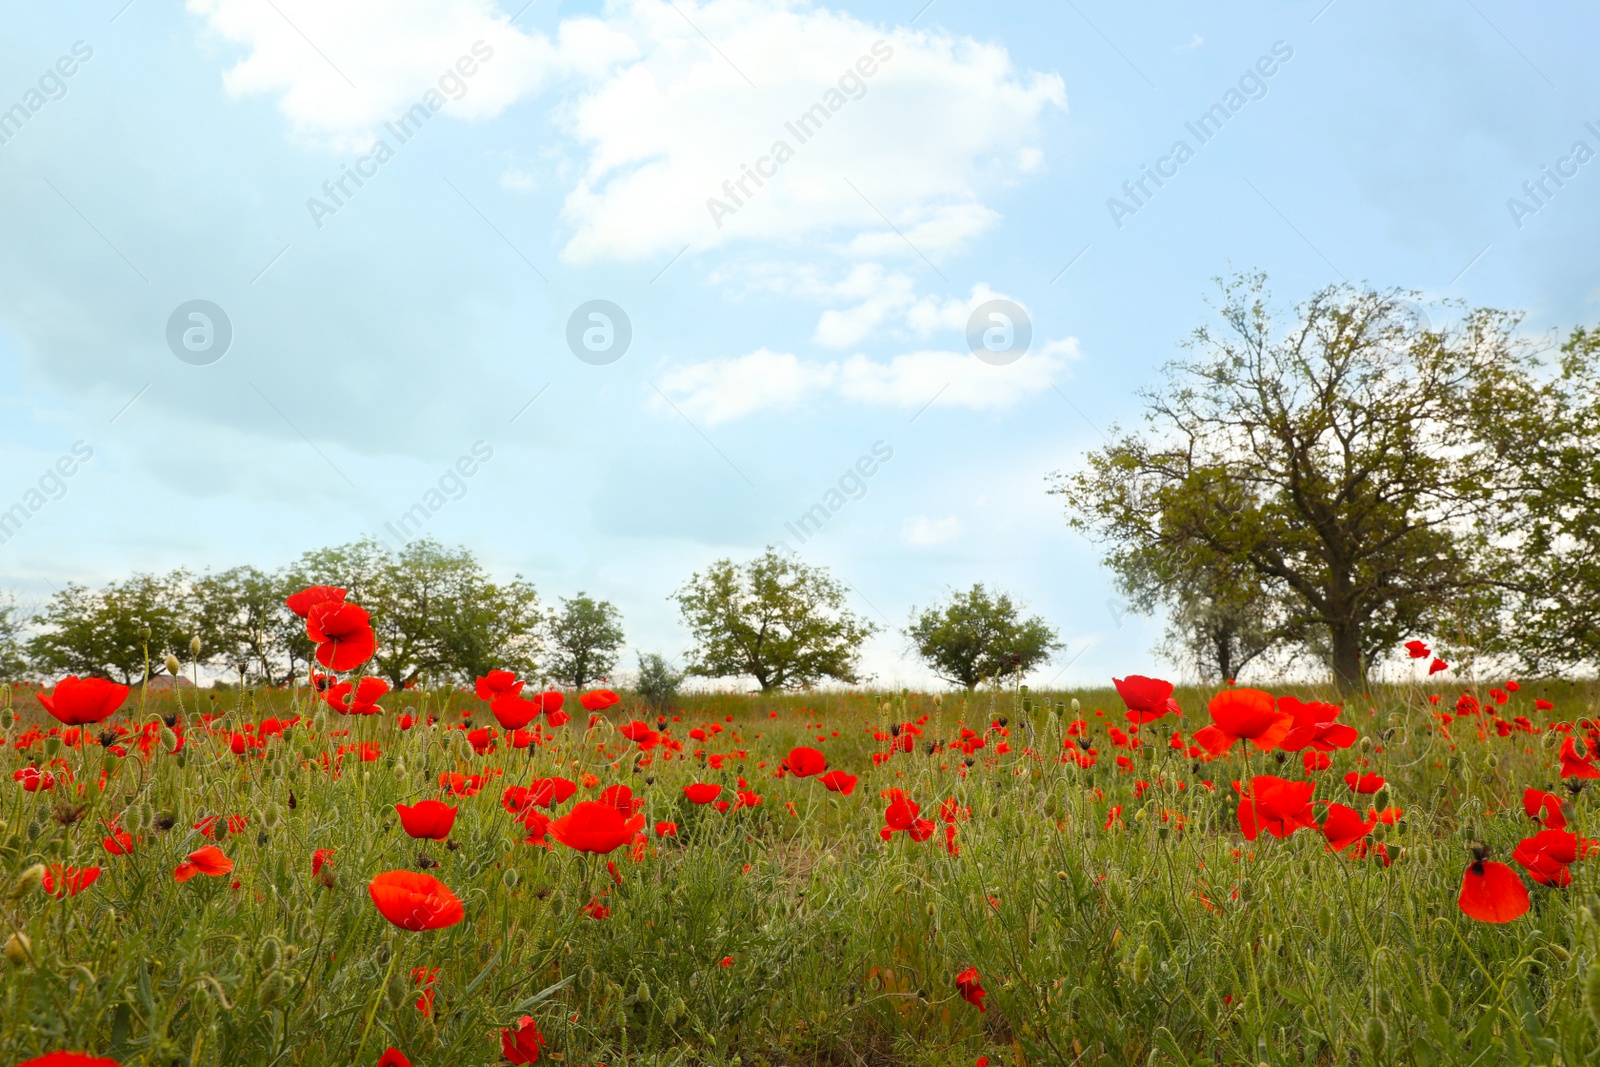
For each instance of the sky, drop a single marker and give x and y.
(666, 276)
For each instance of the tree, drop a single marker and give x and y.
(1219, 615)
(774, 618)
(243, 624)
(12, 664)
(105, 632)
(1549, 436)
(658, 681)
(1340, 464)
(584, 638)
(974, 636)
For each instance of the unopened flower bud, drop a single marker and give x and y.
(28, 880)
(172, 665)
(194, 647)
(19, 948)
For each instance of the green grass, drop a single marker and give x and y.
(1142, 943)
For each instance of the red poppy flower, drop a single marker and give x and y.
(363, 701)
(1314, 761)
(343, 633)
(461, 785)
(1247, 714)
(63, 881)
(1364, 783)
(118, 841)
(415, 901)
(208, 825)
(1276, 805)
(1314, 727)
(702, 792)
(804, 761)
(33, 779)
(1434, 668)
(1147, 699)
(523, 1045)
(68, 1059)
(431, 819)
(1542, 704)
(598, 700)
(621, 797)
(1343, 826)
(482, 740)
(208, 861)
(393, 1057)
(497, 684)
(82, 701)
(839, 782)
(666, 829)
(1546, 856)
(1492, 893)
(548, 792)
(1574, 765)
(596, 910)
(1417, 650)
(595, 827)
(970, 988)
(511, 711)
(302, 602)
(1546, 807)
(902, 816)
(320, 858)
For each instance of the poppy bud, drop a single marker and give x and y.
(395, 992)
(643, 995)
(509, 878)
(273, 988)
(52, 745)
(8, 718)
(1377, 1037)
(219, 829)
(1366, 744)
(1439, 1001)
(1559, 952)
(172, 665)
(1141, 965)
(1591, 991)
(19, 949)
(1381, 799)
(144, 633)
(28, 880)
(269, 953)
(194, 647)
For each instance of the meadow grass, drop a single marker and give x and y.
(791, 932)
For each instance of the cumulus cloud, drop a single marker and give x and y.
(723, 390)
(679, 126)
(341, 70)
(919, 531)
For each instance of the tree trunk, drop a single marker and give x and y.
(1222, 640)
(1349, 672)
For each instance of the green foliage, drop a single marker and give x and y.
(775, 618)
(1341, 466)
(658, 681)
(241, 620)
(106, 632)
(974, 636)
(584, 638)
(13, 665)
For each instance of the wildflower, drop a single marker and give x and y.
(1546, 807)
(68, 1059)
(302, 602)
(64, 881)
(393, 1057)
(1147, 699)
(702, 792)
(1492, 893)
(498, 684)
(598, 700)
(971, 989)
(666, 829)
(1343, 826)
(1247, 714)
(82, 701)
(33, 779)
(1436, 666)
(594, 827)
(359, 699)
(1417, 650)
(430, 819)
(1314, 726)
(415, 901)
(523, 1046)
(208, 861)
(902, 816)
(1275, 805)
(510, 710)
(839, 782)
(803, 762)
(1364, 783)
(343, 634)
(1575, 766)
(320, 858)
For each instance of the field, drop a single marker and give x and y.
(1108, 913)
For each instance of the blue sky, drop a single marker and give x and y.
(964, 154)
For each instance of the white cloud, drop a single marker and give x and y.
(724, 390)
(919, 140)
(919, 531)
(340, 70)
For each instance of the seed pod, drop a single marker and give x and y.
(19, 949)
(1439, 1000)
(269, 953)
(273, 988)
(1377, 1036)
(172, 665)
(194, 647)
